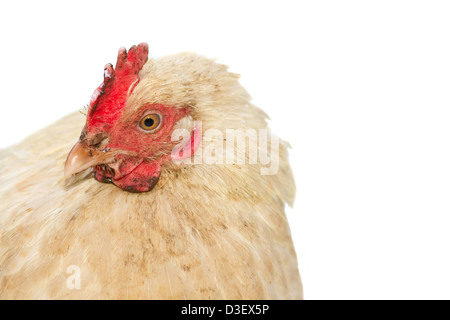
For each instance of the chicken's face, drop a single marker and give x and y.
(126, 149)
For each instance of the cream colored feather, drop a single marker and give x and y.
(204, 232)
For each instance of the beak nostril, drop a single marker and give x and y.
(96, 141)
(82, 157)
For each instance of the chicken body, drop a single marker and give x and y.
(206, 231)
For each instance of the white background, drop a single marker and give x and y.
(361, 90)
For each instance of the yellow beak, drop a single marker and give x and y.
(81, 157)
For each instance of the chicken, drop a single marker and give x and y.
(128, 213)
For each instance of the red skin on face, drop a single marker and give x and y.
(132, 169)
(135, 173)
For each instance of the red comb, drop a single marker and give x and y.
(109, 98)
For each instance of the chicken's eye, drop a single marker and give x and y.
(150, 122)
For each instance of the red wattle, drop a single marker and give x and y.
(141, 179)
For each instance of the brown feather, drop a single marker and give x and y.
(204, 231)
